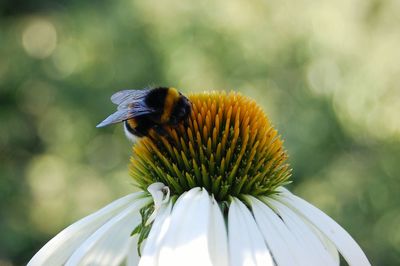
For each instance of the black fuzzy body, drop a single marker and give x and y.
(140, 126)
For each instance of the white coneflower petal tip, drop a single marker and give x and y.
(60, 248)
(160, 194)
(344, 243)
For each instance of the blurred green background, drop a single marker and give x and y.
(326, 72)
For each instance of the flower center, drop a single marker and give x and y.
(228, 147)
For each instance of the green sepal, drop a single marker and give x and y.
(142, 229)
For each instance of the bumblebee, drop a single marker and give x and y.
(143, 110)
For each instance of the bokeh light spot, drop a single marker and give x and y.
(39, 38)
(324, 77)
(65, 60)
(47, 178)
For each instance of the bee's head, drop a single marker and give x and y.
(181, 111)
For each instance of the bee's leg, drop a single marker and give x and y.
(160, 130)
(186, 121)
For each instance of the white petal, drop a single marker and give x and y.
(346, 245)
(192, 234)
(155, 237)
(217, 236)
(157, 192)
(109, 244)
(160, 194)
(133, 256)
(329, 246)
(186, 242)
(58, 249)
(285, 248)
(246, 244)
(309, 241)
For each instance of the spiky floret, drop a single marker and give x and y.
(228, 147)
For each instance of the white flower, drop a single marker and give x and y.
(281, 230)
(216, 197)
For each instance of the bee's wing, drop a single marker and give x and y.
(126, 97)
(130, 111)
(130, 104)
